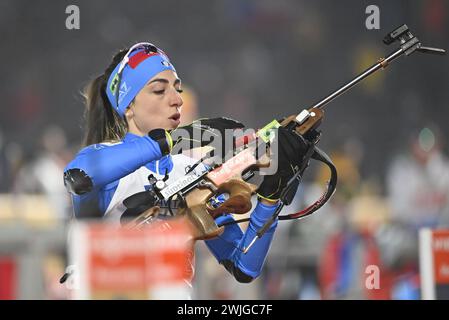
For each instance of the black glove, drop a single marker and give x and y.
(207, 130)
(292, 148)
(163, 138)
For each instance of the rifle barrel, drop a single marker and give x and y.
(383, 63)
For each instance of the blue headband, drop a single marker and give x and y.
(134, 71)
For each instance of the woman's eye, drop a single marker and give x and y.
(159, 91)
(180, 90)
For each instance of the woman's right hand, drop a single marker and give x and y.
(291, 150)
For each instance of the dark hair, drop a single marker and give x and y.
(102, 122)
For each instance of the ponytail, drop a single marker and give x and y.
(103, 123)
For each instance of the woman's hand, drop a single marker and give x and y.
(290, 154)
(206, 132)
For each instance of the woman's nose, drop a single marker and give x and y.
(176, 99)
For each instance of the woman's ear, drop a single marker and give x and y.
(129, 113)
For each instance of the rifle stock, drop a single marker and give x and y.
(226, 179)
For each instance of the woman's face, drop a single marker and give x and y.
(157, 105)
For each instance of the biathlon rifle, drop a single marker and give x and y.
(195, 190)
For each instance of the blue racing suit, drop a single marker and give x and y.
(116, 171)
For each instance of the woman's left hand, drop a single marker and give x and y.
(211, 132)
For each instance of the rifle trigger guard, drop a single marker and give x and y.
(239, 200)
(209, 185)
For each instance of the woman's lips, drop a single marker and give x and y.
(176, 118)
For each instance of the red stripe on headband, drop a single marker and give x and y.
(139, 57)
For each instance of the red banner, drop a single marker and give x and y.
(8, 278)
(116, 262)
